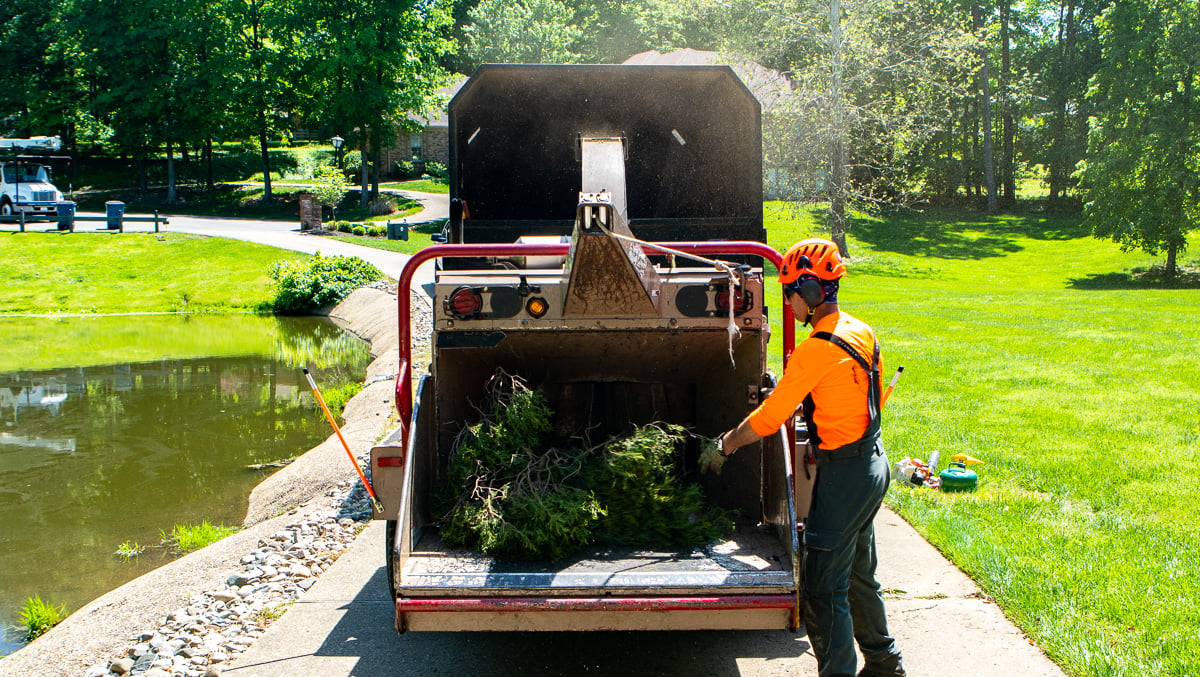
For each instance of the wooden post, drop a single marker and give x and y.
(22, 222)
(156, 220)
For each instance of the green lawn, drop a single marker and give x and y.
(49, 273)
(1029, 345)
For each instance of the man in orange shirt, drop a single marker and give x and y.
(834, 377)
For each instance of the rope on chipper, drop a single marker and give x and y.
(730, 271)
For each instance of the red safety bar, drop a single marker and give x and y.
(404, 375)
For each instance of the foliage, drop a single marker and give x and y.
(510, 493)
(368, 64)
(382, 207)
(437, 171)
(331, 186)
(1142, 174)
(337, 397)
(406, 169)
(189, 537)
(644, 503)
(129, 550)
(302, 287)
(526, 31)
(358, 230)
(308, 165)
(38, 616)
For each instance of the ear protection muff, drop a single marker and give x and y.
(812, 292)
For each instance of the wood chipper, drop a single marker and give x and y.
(601, 300)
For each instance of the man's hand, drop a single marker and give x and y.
(712, 456)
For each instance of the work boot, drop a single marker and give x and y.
(873, 671)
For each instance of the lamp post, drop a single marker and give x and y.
(337, 142)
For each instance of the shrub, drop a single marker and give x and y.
(405, 169)
(353, 161)
(381, 207)
(437, 170)
(358, 230)
(379, 231)
(304, 286)
(343, 226)
(38, 616)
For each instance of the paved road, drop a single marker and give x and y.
(287, 234)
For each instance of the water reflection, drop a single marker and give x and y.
(97, 453)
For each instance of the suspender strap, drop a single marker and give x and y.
(872, 369)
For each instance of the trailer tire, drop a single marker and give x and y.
(6, 208)
(389, 539)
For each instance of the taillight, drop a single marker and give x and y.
(464, 303)
(743, 300)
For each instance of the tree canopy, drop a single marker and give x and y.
(894, 101)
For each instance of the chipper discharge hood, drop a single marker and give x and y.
(691, 151)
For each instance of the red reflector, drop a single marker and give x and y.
(464, 303)
(742, 299)
(390, 461)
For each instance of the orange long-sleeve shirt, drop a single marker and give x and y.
(837, 383)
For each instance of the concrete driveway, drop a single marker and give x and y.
(344, 625)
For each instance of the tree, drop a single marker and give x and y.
(368, 65)
(265, 70)
(873, 81)
(527, 31)
(330, 187)
(1141, 172)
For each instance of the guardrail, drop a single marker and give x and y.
(115, 223)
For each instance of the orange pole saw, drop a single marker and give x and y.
(328, 416)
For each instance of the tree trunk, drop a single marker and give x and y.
(1172, 250)
(375, 174)
(209, 178)
(140, 162)
(266, 157)
(837, 178)
(170, 172)
(985, 108)
(1008, 162)
(1060, 165)
(364, 193)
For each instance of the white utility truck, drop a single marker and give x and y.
(25, 185)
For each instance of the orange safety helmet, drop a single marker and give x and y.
(814, 256)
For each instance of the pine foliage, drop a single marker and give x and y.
(511, 494)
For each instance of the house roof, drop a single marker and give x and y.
(768, 86)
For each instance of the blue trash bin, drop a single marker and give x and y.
(66, 215)
(115, 212)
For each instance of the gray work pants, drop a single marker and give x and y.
(842, 600)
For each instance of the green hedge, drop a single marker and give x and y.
(302, 287)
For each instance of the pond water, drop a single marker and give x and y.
(96, 451)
